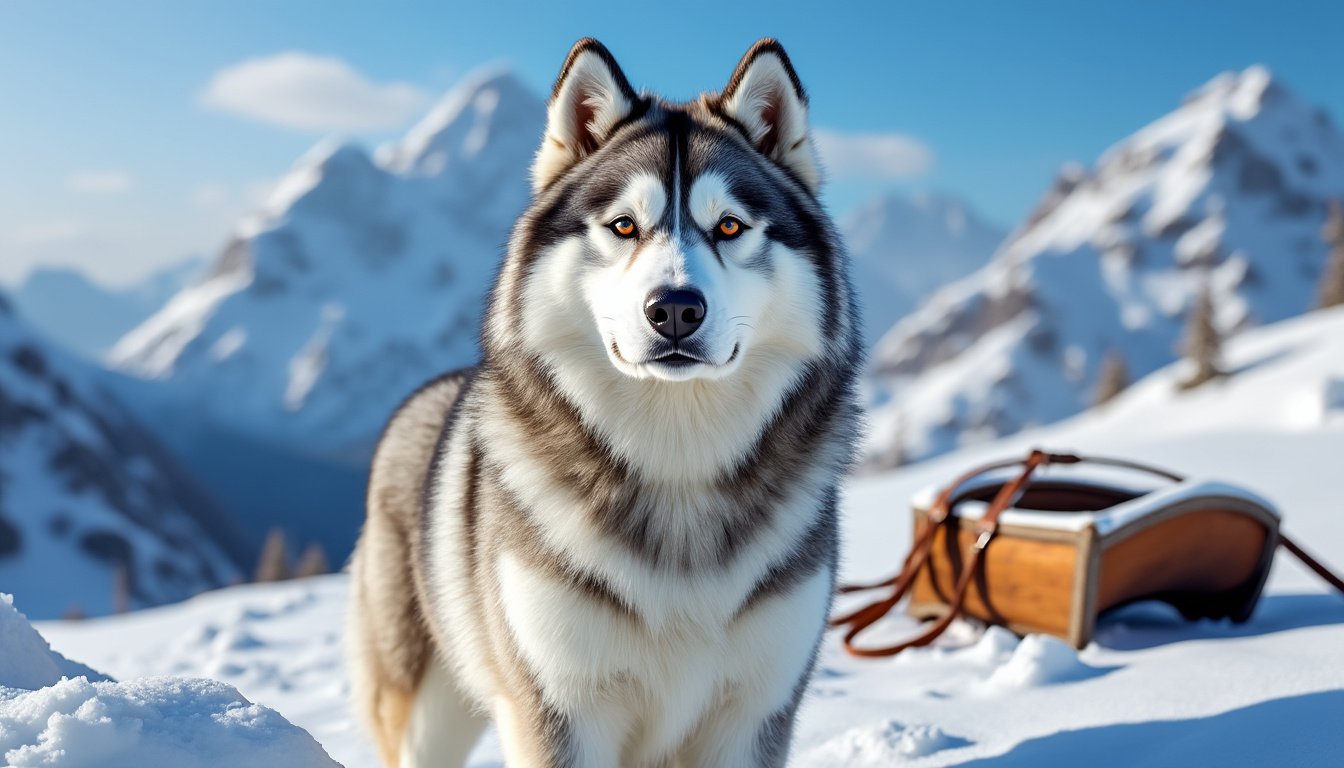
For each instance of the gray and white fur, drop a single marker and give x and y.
(616, 537)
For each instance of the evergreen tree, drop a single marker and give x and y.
(313, 562)
(1203, 342)
(121, 589)
(1332, 278)
(274, 562)
(1112, 378)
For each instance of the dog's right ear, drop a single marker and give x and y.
(589, 99)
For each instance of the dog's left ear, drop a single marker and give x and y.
(765, 97)
(591, 96)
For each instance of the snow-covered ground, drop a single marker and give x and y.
(1151, 690)
(55, 712)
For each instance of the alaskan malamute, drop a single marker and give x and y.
(616, 537)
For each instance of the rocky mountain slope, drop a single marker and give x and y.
(1229, 191)
(363, 276)
(94, 515)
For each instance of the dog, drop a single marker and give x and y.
(616, 537)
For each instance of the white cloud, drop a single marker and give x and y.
(884, 156)
(101, 182)
(311, 93)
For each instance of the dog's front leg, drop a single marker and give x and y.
(736, 737)
(774, 646)
(536, 735)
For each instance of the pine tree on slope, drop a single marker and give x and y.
(1203, 342)
(274, 562)
(1113, 377)
(1332, 278)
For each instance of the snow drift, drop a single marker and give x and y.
(56, 712)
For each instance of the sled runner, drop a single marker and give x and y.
(1049, 555)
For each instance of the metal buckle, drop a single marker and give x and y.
(983, 540)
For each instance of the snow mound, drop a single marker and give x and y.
(159, 722)
(1039, 660)
(994, 647)
(57, 712)
(882, 744)
(27, 660)
(924, 740)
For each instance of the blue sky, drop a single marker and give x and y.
(118, 157)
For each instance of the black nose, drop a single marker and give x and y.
(675, 313)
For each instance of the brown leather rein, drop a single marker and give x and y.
(985, 528)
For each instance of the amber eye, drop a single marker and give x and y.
(624, 227)
(729, 227)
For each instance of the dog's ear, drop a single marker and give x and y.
(591, 96)
(766, 99)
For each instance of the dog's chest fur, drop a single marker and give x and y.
(649, 601)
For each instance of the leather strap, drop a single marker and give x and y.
(986, 527)
(1311, 562)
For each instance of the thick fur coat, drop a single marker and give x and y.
(617, 536)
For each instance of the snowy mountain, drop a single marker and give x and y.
(90, 505)
(902, 249)
(1151, 689)
(362, 277)
(82, 315)
(1229, 190)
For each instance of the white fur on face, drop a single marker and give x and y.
(633, 270)
(763, 300)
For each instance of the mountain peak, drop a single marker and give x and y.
(460, 124)
(1242, 93)
(418, 226)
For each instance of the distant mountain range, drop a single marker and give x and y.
(271, 374)
(902, 249)
(89, 318)
(1229, 191)
(91, 506)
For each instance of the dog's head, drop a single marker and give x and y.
(673, 242)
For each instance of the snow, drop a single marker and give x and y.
(1150, 690)
(1104, 521)
(280, 644)
(1229, 189)
(54, 712)
(28, 661)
